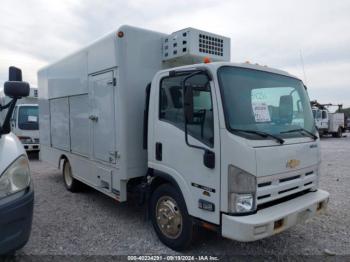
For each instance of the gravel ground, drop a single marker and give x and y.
(90, 223)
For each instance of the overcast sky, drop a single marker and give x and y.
(35, 33)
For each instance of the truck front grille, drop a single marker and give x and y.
(274, 187)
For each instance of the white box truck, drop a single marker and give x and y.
(24, 120)
(327, 122)
(16, 190)
(227, 146)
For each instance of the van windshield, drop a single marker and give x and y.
(28, 118)
(266, 102)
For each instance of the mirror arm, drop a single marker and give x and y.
(6, 128)
(184, 88)
(186, 139)
(5, 106)
(209, 156)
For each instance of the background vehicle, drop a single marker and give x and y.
(25, 122)
(231, 147)
(326, 122)
(16, 191)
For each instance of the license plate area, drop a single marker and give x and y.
(304, 215)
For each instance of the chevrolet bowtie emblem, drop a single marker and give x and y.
(293, 163)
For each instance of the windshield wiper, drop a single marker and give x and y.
(260, 133)
(302, 131)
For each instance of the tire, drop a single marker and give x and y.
(69, 181)
(175, 232)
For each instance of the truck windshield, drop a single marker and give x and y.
(261, 101)
(28, 118)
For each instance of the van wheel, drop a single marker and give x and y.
(70, 182)
(170, 218)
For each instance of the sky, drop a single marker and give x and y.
(279, 34)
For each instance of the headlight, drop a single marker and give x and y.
(242, 191)
(15, 178)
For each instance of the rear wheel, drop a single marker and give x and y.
(70, 182)
(170, 218)
(340, 132)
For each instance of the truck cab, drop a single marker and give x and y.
(321, 118)
(25, 124)
(16, 190)
(240, 142)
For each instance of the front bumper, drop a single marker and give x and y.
(31, 147)
(16, 222)
(274, 219)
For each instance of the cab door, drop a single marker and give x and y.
(102, 116)
(168, 150)
(324, 120)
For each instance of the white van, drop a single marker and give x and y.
(16, 190)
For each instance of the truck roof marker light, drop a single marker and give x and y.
(120, 34)
(206, 60)
(247, 62)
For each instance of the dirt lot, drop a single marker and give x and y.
(93, 224)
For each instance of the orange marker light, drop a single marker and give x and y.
(206, 60)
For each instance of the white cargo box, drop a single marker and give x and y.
(336, 120)
(92, 102)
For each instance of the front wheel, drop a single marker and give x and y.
(170, 218)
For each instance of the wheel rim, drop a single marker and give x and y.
(168, 217)
(68, 174)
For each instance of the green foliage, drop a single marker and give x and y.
(346, 112)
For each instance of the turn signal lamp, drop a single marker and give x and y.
(206, 60)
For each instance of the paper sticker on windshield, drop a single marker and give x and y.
(261, 112)
(32, 119)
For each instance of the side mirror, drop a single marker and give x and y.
(286, 109)
(15, 74)
(188, 104)
(16, 89)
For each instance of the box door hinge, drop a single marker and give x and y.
(114, 154)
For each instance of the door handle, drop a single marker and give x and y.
(159, 151)
(93, 118)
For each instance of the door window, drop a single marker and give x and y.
(171, 106)
(324, 114)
